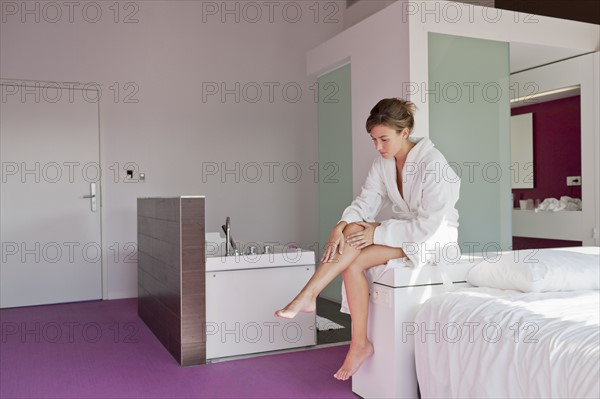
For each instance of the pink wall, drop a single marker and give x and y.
(556, 148)
(531, 243)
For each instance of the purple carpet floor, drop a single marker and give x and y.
(103, 350)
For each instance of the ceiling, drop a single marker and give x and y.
(526, 56)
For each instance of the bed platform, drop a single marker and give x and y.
(395, 299)
(541, 341)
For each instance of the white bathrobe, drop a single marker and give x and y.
(425, 221)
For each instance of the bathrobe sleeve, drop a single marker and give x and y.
(435, 215)
(373, 197)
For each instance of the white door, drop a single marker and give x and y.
(50, 228)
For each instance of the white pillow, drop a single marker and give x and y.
(538, 270)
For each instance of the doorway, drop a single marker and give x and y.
(50, 221)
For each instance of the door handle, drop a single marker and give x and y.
(92, 196)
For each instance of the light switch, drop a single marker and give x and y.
(573, 180)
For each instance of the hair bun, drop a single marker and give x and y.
(395, 113)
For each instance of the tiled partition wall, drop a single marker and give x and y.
(171, 274)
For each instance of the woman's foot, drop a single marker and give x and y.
(357, 354)
(303, 304)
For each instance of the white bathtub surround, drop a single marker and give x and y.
(242, 293)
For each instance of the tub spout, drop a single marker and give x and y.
(230, 245)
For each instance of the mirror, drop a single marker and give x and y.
(546, 149)
(551, 97)
(521, 150)
(560, 95)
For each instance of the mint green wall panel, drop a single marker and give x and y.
(335, 157)
(469, 119)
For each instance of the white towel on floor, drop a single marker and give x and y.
(324, 324)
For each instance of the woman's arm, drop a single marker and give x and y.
(372, 198)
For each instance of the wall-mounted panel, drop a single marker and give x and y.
(171, 274)
(469, 118)
(335, 157)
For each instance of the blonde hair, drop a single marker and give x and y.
(395, 113)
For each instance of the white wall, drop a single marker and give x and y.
(173, 49)
(377, 49)
(363, 9)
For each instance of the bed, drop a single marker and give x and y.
(528, 326)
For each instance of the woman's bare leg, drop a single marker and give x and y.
(305, 301)
(357, 293)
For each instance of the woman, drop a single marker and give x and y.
(415, 178)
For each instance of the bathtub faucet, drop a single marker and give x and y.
(230, 246)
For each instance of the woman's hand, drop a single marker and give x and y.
(363, 238)
(335, 243)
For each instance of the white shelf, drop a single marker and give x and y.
(562, 225)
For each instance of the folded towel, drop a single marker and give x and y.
(565, 203)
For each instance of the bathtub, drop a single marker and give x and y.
(242, 294)
(203, 306)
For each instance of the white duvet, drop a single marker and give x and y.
(490, 343)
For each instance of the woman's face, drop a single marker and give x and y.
(387, 141)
